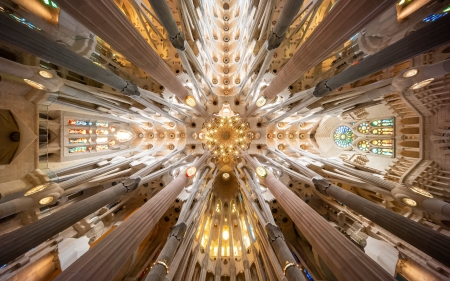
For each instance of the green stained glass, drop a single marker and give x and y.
(343, 136)
(389, 122)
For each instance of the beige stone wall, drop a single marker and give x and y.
(12, 97)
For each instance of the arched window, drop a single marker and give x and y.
(343, 136)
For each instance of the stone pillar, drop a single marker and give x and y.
(161, 266)
(18, 242)
(106, 20)
(164, 260)
(423, 238)
(345, 260)
(105, 260)
(90, 174)
(366, 176)
(19, 35)
(414, 44)
(284, 255)
(332, 32)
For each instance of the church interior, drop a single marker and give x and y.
(224, 140)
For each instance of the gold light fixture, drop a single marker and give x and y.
(190, 100)
(35, 85)
(261, 172)
(408, 201)
(36, 189)
(191, 171)
(421, 84)
(226, 136)
(225, 176)
(421, 191)
(46, 200)
(46, 74)
(410, 73)
(261, 101)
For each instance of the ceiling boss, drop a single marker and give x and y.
(226, 135)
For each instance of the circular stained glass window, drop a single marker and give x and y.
(343, 136)
(363, 128)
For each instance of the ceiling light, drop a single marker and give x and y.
(34, 84)
(46, 200)
(421, 84)
(190, 101)
(261, 101)
(190, 172)
(261, 172)
(46, 74)
(410, 202)
(36, 189)
(225, 176)
(410, 73)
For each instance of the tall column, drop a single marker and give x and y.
(105, 260)
(423, 238)
(344, 259)
(106, 20)
(18, 242)
(276, 37)
(332, 32)
(366, 176)
(276, 239)
(42, 46)
(161, 267)
(414, 44)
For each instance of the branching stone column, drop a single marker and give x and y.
(108, 22)
(161, 266)
(414, 44)
(431, 242)
(178, 40)
(18, 242)
(105, 260)
(344, 259)
(275, 237)
(332, 32)
(276, 37)
(40, 45)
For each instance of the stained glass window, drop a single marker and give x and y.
(102, 140)
(363, 128)
(383, 131)
(385, 143)
(389, 122)
(363, 145)
(77, 140)
(101, 147)
(101, 132)
(382, 151)
(343, 136)
(101, 124)
(78, 131)
(77, 149)
(79, 122)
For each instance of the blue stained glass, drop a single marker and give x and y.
(434, 17)
(343, 136)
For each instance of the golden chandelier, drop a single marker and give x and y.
(226, 137)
